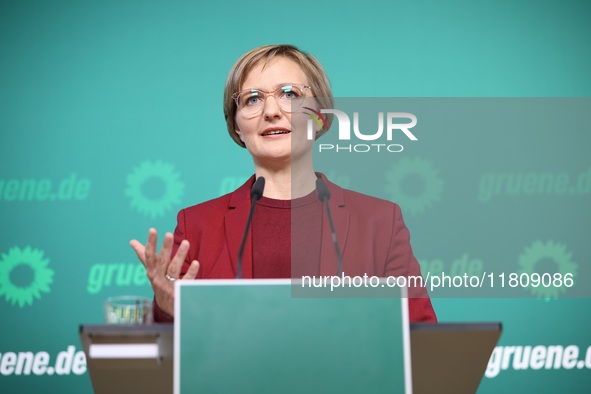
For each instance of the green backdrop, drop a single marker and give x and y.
(111, 121)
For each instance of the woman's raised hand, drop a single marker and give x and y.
(162, 271)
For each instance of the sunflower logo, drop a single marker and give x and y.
(150, 171)
(559, 260)
(31, 259)
(414, 184)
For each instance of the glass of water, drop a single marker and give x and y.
(128, 310)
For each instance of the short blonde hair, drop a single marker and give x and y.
(309, 65)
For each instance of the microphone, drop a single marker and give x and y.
(255, 194)
(324, 196)
(257, 189)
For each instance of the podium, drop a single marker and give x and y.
(129, 358)
(252, 336)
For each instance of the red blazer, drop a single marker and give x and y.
(371, 234)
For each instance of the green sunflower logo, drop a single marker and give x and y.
(550, 257)
(414, 183)
(30, 259)
(169, 188)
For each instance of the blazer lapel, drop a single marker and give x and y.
(235, 224)
(340, 216)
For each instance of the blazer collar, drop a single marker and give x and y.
(237, 215)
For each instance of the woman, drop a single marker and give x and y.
(262, 104)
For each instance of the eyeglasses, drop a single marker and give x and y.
(289, 97)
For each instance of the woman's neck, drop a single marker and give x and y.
(288, 182)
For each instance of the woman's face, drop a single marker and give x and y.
(259, 133)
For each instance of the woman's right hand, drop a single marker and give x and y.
(162, 271)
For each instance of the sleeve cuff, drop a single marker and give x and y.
(159, 316)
